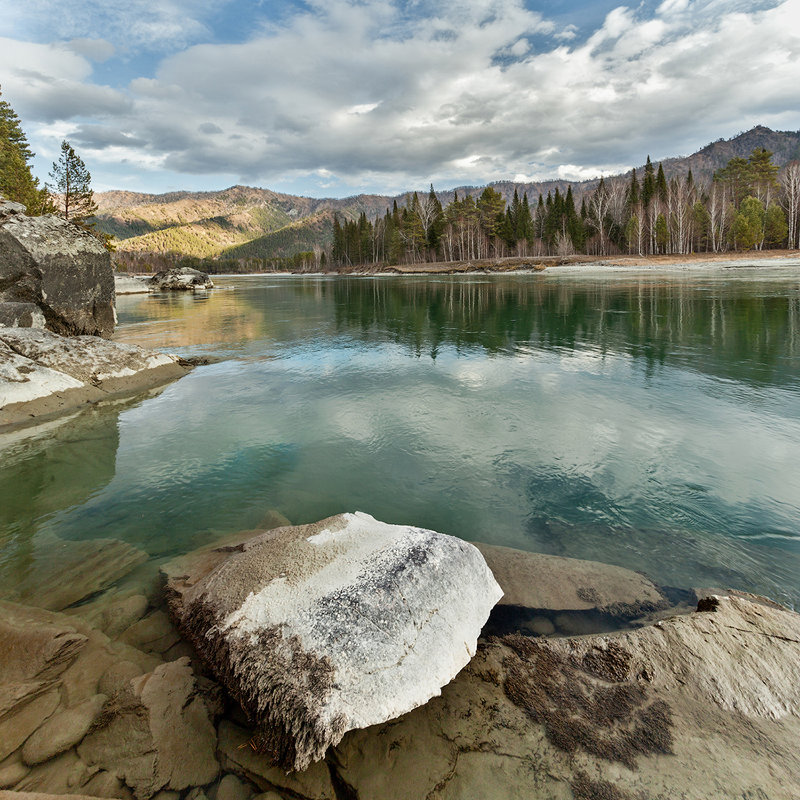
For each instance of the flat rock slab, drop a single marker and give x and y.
(157, 734)
(64, 571)
(42, 373)
(345, 623)
(553, 583)
(62, 731)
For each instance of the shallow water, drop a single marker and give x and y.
(645, 419)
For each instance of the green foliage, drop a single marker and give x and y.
(776, 228)
(75, 199)
(17, 182)
(748, 225)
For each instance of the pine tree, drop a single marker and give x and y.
(73, 183)
(17, 182)
(633, 191)
(649, 184)
(661, 184)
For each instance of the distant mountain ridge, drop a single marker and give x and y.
(243, 221)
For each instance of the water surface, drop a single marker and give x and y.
(645, 419)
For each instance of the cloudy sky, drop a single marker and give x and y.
(336, 97)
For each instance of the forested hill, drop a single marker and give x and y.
(250, 222)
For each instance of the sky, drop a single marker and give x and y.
(340, 97)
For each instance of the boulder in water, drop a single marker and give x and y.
(318, 629)
(180, 279)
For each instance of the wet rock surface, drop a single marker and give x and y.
(180, 279)
(698, 705)
(57, 267)
(42, 373)
(66, 572)
(318, 629)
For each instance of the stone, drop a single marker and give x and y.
(695, 706)
(60, 268)
(36, 647)
(43, 796)
(62, 731)
(164, 794)
(554, 583)
(238, 756)
(21, 315)
(106, 784)
(156, 735)
(12, 771)
(345, 623)
(180, 279)
(61, 775)
(541, 626)
(129, 284)
(153, 633)
(42, 373)
(231, 788)
(123, 613)
(67, 571)
(16, 727)
(117, 678)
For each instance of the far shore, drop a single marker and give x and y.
(789, 258)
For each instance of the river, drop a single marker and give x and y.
(648, 419)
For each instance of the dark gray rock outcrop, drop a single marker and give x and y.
(319, 629)
(58, 268)
(180, 279)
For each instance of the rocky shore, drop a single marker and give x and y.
(101, 695)
(56, 314)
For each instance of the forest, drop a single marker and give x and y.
(747, 205)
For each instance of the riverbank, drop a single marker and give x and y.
(539, 263)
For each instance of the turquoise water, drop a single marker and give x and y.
(645, 419)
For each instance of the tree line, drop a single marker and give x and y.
(749, 204)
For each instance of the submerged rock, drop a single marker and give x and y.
(180, 279)
(67, 571)
(345, 623)
(554, 583)
(42, 373)
(59, 268)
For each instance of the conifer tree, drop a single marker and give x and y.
(661, 184)
(649, 183)
(17, 182)
(75, 198)
(633, 191)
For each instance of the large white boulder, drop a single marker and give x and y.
(318, 629)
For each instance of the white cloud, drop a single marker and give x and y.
(369, 94)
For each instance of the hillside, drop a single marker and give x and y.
(250, 222)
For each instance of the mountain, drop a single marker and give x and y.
(246, 222)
